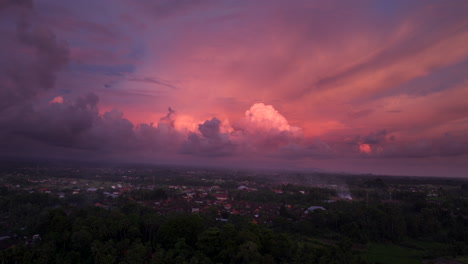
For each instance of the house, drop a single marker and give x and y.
(314, 208)
(5, 242)
(108, 194)
(44, 190)
(221, 197)
(245, 188)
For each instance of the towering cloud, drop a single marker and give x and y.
(211, 142)
(266, 118)
(265, 128)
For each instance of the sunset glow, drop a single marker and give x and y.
(328, 85)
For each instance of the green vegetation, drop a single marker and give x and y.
(135, 234)
(390, 254)
(462, 259)
(150, 220)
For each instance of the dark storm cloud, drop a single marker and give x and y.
(210, 129)
(443, 146)
(211, 142)
(375, 137)
(77, 124)
(160, 137)
(55, 124)
(168, 119)
(48, 130)
(112, 132)
(383, 145)
(15, 3)
(30, 57)
(315, 149)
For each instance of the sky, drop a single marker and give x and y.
(340, 86)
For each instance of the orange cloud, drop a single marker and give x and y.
(56, 100)
(365, 148)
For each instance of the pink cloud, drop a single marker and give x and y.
(56, 100)
(265, 118)
(365, 148)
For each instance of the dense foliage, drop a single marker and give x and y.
(132, 233)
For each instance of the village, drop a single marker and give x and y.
(152, 204)
(206, 192)
(172, 199)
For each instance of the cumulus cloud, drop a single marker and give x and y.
(371, 143)
(112, 132)
(265, 118)
(262, 130)
(365, 148)
(63, 128)
(56, 100)
(160, 137)
(210, 128)
(211, 142)
(56, 124)
(381, 145)
(263, 127)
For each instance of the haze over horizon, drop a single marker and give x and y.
(349, 86)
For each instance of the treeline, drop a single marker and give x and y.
(131, 233)
(291, 195)
(136, 234)
(362, 222)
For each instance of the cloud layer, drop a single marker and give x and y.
(339, 86)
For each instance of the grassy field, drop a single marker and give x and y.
(390, 254)
(462, 259)
(412, 251)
